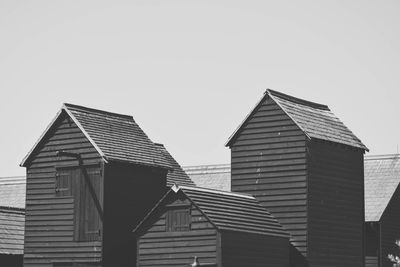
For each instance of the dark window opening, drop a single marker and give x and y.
(178, 219)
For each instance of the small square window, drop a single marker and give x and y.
(63, 183)
(178, 219)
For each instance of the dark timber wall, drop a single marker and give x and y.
(314, 188)
(390, 229)
(242, 249)
(49, 230)
(269, 162)
(336, 198)
(157, 247)
(130, 193)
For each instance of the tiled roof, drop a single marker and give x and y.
(12, 223)
(227, 211)
(12, 192)
(211, 176)
(234, 211)
(382, 177)
(315, 120)
(116, 137)
(177, 175)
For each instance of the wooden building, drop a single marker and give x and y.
(382, 208)
(306, 167)
(219, 228)
(84, 173)
(12, 218)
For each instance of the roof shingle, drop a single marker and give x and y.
(382, 177)
(315, 120)
(116, 137)
(12, 192)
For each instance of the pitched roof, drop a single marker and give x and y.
(12, 223)
(12, 192)
(116, 137)
(211, 176)
(177, 175)
(229, 211)
(315, 120)
(382, 178)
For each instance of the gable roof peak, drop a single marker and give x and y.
(116, 137)
(315, 120)
(296, 100)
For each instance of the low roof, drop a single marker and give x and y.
(12, 223)
(12, 192)
(177, 175)
(211, 176)
(229, 211)
(382, 178)
(115, 136)
(315, 120)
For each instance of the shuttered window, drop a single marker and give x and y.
(63, 182)
(178, 219)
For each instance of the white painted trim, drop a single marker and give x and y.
(85, 133)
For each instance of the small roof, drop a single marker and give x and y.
(116, 137)
(12, 222)
(211, 176)
(177, 175)
(229, 211)
(315, 120)
(12, 192)
(382, 178)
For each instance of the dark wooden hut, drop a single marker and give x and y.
(219, 228)
(84, 173)
(306, 167)
(12, 219)
(382, 209)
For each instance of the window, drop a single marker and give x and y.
(63, 183)
(178, 219)
(84, 186)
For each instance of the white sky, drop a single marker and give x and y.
(190, 71)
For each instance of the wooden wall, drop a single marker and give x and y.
(336, 205)
(242, 249)
(49, 229)
(130, 193)
(390, 229)
(156, 247)
(269, 161)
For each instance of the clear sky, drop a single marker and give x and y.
(190, 71)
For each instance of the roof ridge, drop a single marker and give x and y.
(381, 156)
(207, 165)
(203, 189)
(297, 100)
(83, 108)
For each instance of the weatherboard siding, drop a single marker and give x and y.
(269, 161)
(157, 247)
(336, 205)
(49, 227)
(390, 229)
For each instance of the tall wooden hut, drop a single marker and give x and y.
(306, 167)
(382, 209)
(84, 173)
(218, 228)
